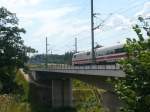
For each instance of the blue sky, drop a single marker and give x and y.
(63, 20)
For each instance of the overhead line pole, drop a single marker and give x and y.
(75, 45)
(92, 33)
(46, 57)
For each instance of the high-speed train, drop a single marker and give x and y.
(103, 55)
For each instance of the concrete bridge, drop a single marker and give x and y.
(53, 85)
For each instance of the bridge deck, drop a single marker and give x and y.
(98, 70)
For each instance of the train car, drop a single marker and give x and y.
(110, 54)
(82, 58)
(103, 55)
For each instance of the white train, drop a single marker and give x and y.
(103, 55)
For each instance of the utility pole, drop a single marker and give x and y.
(75, 45)
(46, 57)
(92, 33)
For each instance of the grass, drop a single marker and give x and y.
(85, 99)
(16, 102)
(11, 103)
(21, 81)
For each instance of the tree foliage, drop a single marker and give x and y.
(52, 58)
(13, 52)
(134, 89)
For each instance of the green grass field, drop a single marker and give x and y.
(85, 97)
(11, 103)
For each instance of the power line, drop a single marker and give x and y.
(103, 21)
(123, 10)
(119, 11)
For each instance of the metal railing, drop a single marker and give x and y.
(83, 67)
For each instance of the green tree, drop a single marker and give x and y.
(13, 52)
(134, 89)
(68, 57)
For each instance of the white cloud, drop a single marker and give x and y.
(57, 23)
(64, 28)
(21, 7)
(145, 12)
(51, 20)
(119, 22)
(19, 3)
(49, 13)
(41, 22)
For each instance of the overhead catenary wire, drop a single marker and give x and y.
(123, 10)
(119, 11)
(104, 21)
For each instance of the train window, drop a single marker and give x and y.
(104, 53)
(113, 51)
(109, 52)
(99, 54)
(74, 56)
(88, 53)
(119, 50)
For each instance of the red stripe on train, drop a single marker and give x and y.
(101, 58)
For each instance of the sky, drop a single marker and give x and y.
(61, 21)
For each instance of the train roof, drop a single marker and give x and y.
(110, 47)
(81, 52)
(102, 48)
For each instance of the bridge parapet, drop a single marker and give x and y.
(100, 70)
(83, 67)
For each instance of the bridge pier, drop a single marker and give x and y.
(61, 93)
(52, 91)
(110, 101)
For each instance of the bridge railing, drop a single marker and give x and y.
(83, 67)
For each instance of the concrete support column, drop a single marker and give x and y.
(110, 101)
(40, 93)
(68, 92)
(61, 93)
